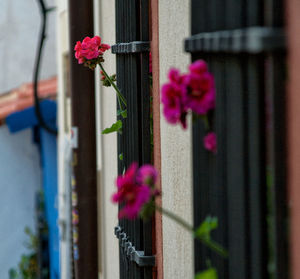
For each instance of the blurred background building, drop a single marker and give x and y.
(22, 164)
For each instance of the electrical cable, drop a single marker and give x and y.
(42, 122)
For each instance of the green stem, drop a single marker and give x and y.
(214, 246)
(175, 218)
(209, 243)
(119, 94)
(206, 122)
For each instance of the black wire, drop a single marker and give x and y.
(39, 116)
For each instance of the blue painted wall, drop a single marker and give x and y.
(48, 153)
(20, 173)
(49, 170)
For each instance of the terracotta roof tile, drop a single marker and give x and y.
(20, 98)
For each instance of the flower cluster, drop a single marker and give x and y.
(90, 51)
(135, 189)
(193, 91)
(190, 92)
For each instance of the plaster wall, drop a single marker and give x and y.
(19, 32)
(20, 175)
(64, 141)
(107, 151)
(176, 176)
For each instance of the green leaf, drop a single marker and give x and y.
(116, 127)
(123, 113)
(210, 273)
(147, 210)
(204, 230)
(13, 274)
(121, 157)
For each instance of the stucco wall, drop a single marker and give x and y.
(175, 146)
(20, 179)
(64, 143)
(19, 31)
(106, 110)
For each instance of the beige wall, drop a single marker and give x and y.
(175, 146)
(64, 148)
(107, 152)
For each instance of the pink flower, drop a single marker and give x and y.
(173, 98)
(174, 75)
(78, 53)
(89, 48)
(147, 175)
(210, 142)
(193, 91)
(130, 193)
(201, 93)
(104, 47)
(198, 67)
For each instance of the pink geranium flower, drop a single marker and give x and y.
(147, 175)
(130, 193)
(78, 54)
(198, 67)
(104, 47)
(193, 91)
(201, 93)
(210, 142)
(173, 99)
(89, 48)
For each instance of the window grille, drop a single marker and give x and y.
(244, 184)
(132, 50)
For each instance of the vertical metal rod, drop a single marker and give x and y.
(83, 117)
(218, 187)
(278, 155)
(258, 252)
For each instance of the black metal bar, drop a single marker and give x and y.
(199, 11)
(257, 167)
(277, 76)
(138, 257)
(235, 14)
(278, 165)
(238, 239)
(218, 185)
(274, 13)
(132, 74)
(255, 13)
(132, 47)
(201, 190)
(247, 40)
(144, 100)
(83, 117)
